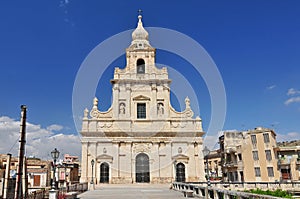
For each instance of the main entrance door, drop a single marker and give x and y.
(142, 168)
(104, 173)
(180, 172)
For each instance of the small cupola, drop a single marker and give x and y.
(140, 37)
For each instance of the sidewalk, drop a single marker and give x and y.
(131, 191)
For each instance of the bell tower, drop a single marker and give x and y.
(140, 55)
(140, 90)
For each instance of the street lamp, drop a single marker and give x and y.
(55, 155)
(92, 163)
(206, 152)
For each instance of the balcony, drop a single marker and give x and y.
(285, 176)
(284, 162)
(231, 164)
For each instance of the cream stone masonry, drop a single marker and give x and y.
(141, 137)
(249, 156)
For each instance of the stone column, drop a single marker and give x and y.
(7, 177)
(84, 152)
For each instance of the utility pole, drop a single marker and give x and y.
(19, 191)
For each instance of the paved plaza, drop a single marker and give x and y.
(131, 191)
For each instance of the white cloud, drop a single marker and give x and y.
(292, 100)
(292, 91)
(271, 87)
(288, 137)
(55, 127)
(39, 141)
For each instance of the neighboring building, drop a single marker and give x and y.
(71, 159)
(13, 165)
(11, 180)
(68, 171)
(214, 165)
(289, 161)
(39, 173)
(141, 137)
(249, 156)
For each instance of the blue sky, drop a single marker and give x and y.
(255, 45)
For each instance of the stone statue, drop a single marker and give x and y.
(95, 102)
(122, 108)
(187, 103)
(160, 109)
(85, 113)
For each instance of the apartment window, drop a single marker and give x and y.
(257, 171)
(236, 176)
(228, 158)
(253, 139)
(270, 172)
(141, 110)
(268, 155)
(266, 138)
(240, 156)
(255, 155)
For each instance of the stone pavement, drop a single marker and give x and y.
(131, 191)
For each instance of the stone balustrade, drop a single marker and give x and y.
(223, 190)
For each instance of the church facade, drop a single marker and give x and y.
(141, 138)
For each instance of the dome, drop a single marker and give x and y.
(140, 33)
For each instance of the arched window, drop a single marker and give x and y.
(180, 172)
(104, 173)
(140, 66)
(142, 168)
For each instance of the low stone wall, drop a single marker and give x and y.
(121, 180)
(161, 180)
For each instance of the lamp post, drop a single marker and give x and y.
(92, 163)
(206, 152)
(55, 155)
(53, 191)
(92, 186)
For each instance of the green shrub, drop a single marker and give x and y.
(276, 193)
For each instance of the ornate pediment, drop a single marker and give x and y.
(141, 147)
(104, 158)
(141, 98)
(180, 158)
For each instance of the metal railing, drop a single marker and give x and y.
(78, 187)
(44, 193)
(38, 194)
